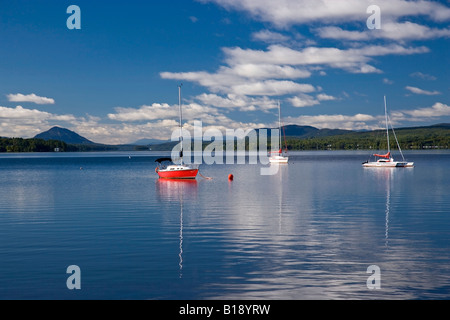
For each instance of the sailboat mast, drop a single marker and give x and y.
(387, 125)
(279, 123)
(181, 123)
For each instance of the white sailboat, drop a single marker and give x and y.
(279, 156)
(387, 161)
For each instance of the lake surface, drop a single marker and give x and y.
(309, 232)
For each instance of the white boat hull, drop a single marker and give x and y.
(279, 160)
(392, 164)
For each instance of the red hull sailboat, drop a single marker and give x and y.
(177, 171)
(182, 171)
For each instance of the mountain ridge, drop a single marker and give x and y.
(64, 135)
(295, 132)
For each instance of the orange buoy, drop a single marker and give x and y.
(230, 177)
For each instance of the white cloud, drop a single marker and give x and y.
(421, 91)
(271, 72)
(436, 111)
(304, 100)
(232, 101)
(23, 122)
(144, 113)
(285, 13)
(272, 88)
(397, 31)
(161, 112)
(371, 122)
(325, 97)
(269, 36)
(347, 122)
(423, 76)
(30, 115)
(29, 98)
(237, 81)
(353, 59)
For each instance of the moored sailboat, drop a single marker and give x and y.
(387, 160)
(177, 171)
(280, 156)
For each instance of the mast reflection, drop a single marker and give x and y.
(387, 176)
(178, 191)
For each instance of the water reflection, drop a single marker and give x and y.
(177, 190)
(278, 181)
(385, 177)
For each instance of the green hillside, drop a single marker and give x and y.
(434, 137)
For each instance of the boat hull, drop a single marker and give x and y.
(184, 174)
(279, 160)
(389, 164)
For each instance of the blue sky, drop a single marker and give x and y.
(116, 79)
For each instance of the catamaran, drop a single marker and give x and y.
(386, 160)
(280, 156)
(177, 171)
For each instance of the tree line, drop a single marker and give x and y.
(34, 145)
(409, 139)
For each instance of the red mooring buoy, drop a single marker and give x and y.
(230, 177)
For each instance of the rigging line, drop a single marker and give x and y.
(387, 126)
(395, 135)
(207, 178)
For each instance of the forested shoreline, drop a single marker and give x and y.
(437, 137)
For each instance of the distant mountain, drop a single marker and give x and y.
(65, 135)
(441, 125)
(305, 132)
(147, 142)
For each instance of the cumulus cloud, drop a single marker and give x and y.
(421, 91)
(325, 97)
(242, 103)
(33, 98)
(269, 36)
(273, 72)
(252, 83)
(161, 111)
(304, 100)
(397, 31)
(23, 122)
(338, 121)
(144, 113)
(286, 13)
(423, 76)
(352, 59)
(436, 111)
(371, 122)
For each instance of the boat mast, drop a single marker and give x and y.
(387, 125)
(279, 121)
(181, 122)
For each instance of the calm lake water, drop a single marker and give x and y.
(309, 232)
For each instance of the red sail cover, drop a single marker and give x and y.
(386, 156)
